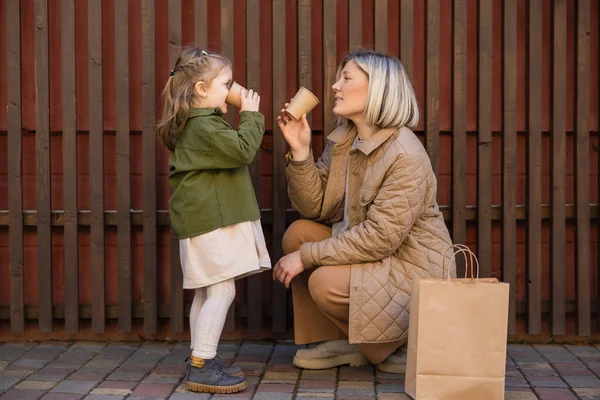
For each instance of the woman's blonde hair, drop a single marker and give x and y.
(192, 65)
(391, 100)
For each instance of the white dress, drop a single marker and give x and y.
(233, 251)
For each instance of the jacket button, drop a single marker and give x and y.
(355, 174)
(353, 208)
(356, 287)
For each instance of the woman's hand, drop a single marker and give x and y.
(250, 100)
(296, 133)
(287, 268)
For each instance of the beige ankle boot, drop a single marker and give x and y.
(330, 354)
(395, 363)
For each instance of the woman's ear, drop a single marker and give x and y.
(201, 89)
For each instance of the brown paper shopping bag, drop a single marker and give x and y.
(457, 337)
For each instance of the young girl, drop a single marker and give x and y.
(213, 207)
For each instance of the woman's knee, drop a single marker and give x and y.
(295, 235)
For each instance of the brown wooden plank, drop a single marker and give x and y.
(279, 191)
(329, 65)
(509, 157)
(15, 169)
(69, 118)
(177, 306)
(254, 286)
(534, 169)
(381, 25)
(123, 162)
(201, 23)
(459, 118)
(406, 35)
(96, 165)
(432, 82)
(582, 171)
(42, 123)
(484, 139)
(149, 163)
(558, 165)
(355, 24)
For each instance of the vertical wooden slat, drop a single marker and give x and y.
(123, 180)
(459, 111)
(69, 118)
(15, 186)
(534, 168)
(177, 306)
(279, 149)
(432, 83)
(582, 171)
(381, 25)
(227, 51)
(329, 65)
(484, 139)
(406, 35)
(509, 156)
(42, 123)
(200, 23)
(254, 294)
(355, 24)
(149, 163)
(558, 161)
(96, 164)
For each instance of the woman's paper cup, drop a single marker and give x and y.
(302, 103)
(234, 97)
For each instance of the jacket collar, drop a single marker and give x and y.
(366, 146)
(203, 112)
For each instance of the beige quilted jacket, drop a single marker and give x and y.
(397, 231)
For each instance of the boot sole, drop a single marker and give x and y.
(392, 368)
(352, 359)
(198, 387)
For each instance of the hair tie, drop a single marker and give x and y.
(204, 52)
(172, 73)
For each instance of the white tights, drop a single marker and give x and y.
(207, 317)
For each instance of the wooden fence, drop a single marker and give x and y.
(509, 100)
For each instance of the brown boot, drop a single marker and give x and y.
(207, 376)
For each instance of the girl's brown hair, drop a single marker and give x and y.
(193, 65)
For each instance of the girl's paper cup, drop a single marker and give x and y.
(234, 97)
(302, 103)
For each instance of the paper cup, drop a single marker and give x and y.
(234, 97)
(302, 103)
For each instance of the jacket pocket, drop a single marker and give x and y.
(367, 195)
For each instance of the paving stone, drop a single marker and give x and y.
(317, 396)
(587, 392)
(62, 396)
(273, 396)
(362, 385)
(102, 397)
(555, 394)
(189, 396)
(74, 386)
(90, 374)
(170, 369)
(344, 396)
(28, 363)
(51, 374)
(6, 382)
(582, 381)
(22, 394)
(326, 374)
(160, 378)
(35, 385)
(387, 375)
(546, 381)
(512, 381)
(153, 389)
(317, 384)
(4, 364)
(281, 375)
(391, 388)
(20, 373)
(520, 395)
(111, 392)
(267, 387)
(315, 390)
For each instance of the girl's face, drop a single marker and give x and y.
(215, 94)
(351, 92)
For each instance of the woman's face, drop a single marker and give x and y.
(351, 92)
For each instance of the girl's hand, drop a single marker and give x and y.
(296, 133)
(250, 100)
(287, 268)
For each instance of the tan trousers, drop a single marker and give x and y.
(322, 296)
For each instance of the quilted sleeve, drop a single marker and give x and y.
(399, 203)
(306, 183)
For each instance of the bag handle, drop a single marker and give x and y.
(461, 248)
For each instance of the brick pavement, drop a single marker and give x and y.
(154, 370)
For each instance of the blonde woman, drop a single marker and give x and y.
(371, 223)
